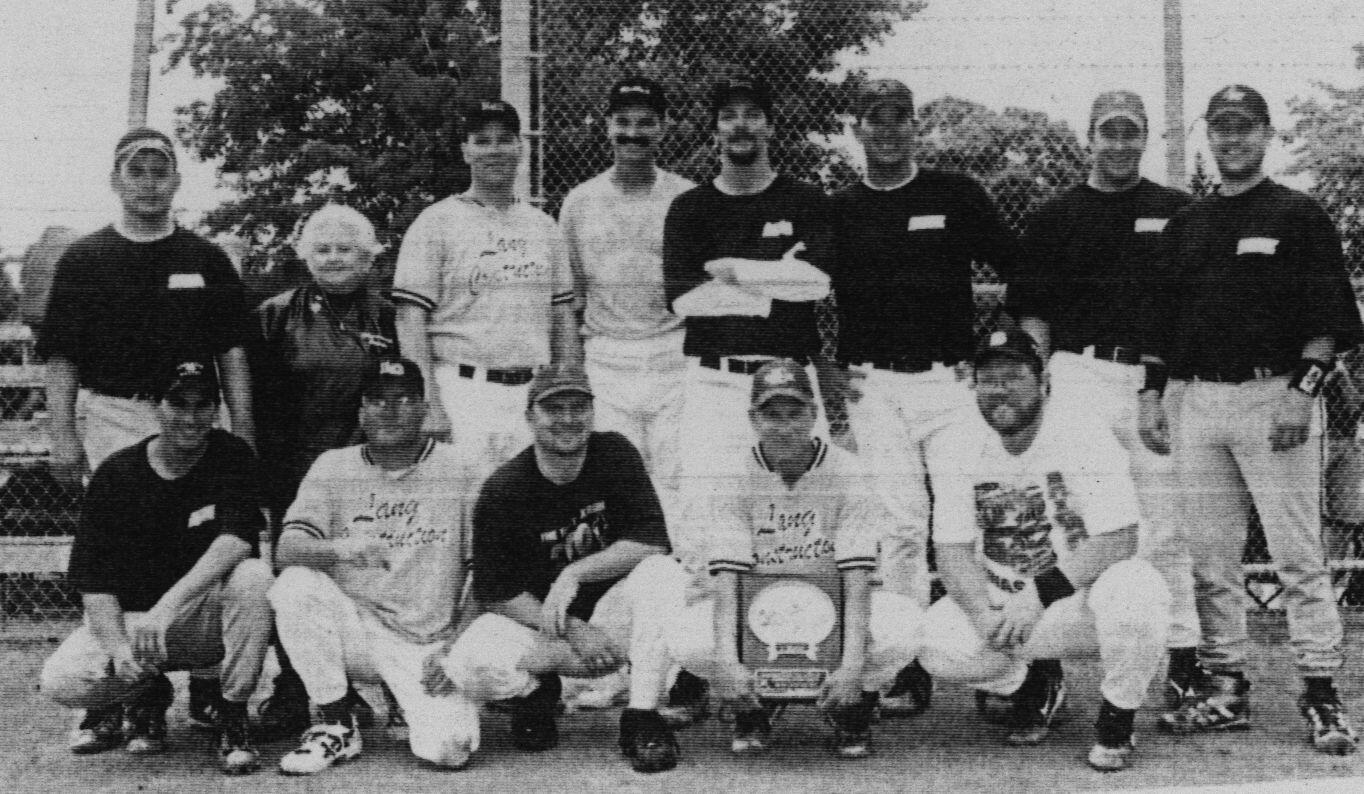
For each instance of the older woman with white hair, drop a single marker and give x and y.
(314, 346)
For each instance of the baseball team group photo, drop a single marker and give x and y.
(709, 463)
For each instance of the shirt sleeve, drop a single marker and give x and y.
(417, 275)
(239, 503)
(684, 248)
(729, 539)
(62, 331)
(643, 514)
(499, 574)
(233, 324)
(311, 511)
(991, 240)
(1327, 306)
(91, 568)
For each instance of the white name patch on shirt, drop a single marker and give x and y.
(1256, 245)
(202, 515)
(1151, 224)
(918, 223)
(185, 281)
(777, 229)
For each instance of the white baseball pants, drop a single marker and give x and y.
(487, 420)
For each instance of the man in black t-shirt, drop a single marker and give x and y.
(134, 297)
(567, 525)
(1081, 294)
(745, 261)
(163, 559)
(1254, 304)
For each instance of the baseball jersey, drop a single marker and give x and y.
(615, 247)
(139, 534)
(421, 515)
(1248, 280)
(1025, 513)
(528, 529)
(705, 223)
(489, 279)
(903, 268)
(122, 311)
(1090, 259)
(828, 521)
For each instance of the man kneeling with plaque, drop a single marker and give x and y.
(791, 557)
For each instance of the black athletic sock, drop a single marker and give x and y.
(337, 712)
(1183, 665)
(1114, 726)
(1049, 667)
(1321, 689)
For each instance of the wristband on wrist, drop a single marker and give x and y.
(1157, 375)
(1053, 586)
(1309, 376)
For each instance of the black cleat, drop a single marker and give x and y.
(205, 701)
(912, 692)
(688, 702)
(285, 714)
(533, 726)
(852, 727)
(99, 730)
(236, 754)
(1036, 704)
(647, 741)
(145, 726)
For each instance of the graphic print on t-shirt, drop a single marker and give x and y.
(504, 260)
(580, 538)
(399, 523)
(789, 534)
(1025, 527)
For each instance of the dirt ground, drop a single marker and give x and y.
(946, 749)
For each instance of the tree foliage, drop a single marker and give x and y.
(344, 100)
(1329, 137)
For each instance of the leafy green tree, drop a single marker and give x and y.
(1330, 148)
(333, 100)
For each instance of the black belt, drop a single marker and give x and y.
(1233, 375)
(125, 394)
(903, 364)
(1116, 353)
(507, 377)
(739, 366)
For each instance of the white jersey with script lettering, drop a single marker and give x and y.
(1026, 512)
(488, 277)
(828, 521)
(422, 514)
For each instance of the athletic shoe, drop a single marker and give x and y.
(852, 727)
(1036, 704)
(911, 694)
(205, 698)
(647, 741)
(688, 702)
(99, 730)
(1218, 703)
(1112, 750)
(236, 754)
(533, 727)
(145, 726)
(752, 731)
(1330, 726)
(285, 713)
(323, 745)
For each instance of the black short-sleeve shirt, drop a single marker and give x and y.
(1247, 280)
(124, 310)
(1090, 263)
(902, 269)
(527, 529)
(140, 534)
(704, 224)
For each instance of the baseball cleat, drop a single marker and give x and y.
(1112, 750)
(688, 702)
(323, 746)
(912, 692)
(205, 697)
(647, 741)
(145, 723)
(285, 714)
(1106, 758)
(1036, 704)
(533, 726)
(236, 754)
(752, 731)
(99, 730)
(1330, 726)
(1219, 703)
(852, 727)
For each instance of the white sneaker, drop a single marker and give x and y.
(323, 745)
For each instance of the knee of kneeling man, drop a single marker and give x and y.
(293, 582)
(449, 752)
(251, 577)
(1130, 583)
(656, 571)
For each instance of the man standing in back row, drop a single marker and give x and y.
(1254, 305)
(1091, 253)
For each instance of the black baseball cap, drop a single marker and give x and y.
(750, 86)
(201, 374)
(390, 372)
(140, 139)
(557, 379)
(492, 111)
(884, 92)
(1014, 344)
(1239, 100)
(637, 91)
(782, 377)
(1117, 105)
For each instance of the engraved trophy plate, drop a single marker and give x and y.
(791, 632)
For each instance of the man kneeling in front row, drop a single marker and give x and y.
(162, 559)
